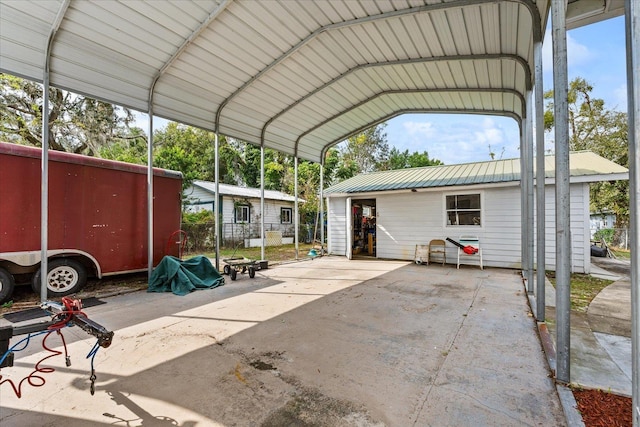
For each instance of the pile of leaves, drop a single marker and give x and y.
(602, 409)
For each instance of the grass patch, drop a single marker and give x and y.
(621, 253)
(584, 289)
(272, 253)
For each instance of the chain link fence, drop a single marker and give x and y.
(201, 237)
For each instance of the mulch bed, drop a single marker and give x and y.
(602, 409)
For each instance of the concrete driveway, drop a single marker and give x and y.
(327, 342)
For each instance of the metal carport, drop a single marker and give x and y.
(301, 76)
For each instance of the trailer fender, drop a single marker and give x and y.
(31, 259)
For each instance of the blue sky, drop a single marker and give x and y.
(595, 52)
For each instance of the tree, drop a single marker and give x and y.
(402, 160)
(594, 127)
(77, 124)
(365, 152)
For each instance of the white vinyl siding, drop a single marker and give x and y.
(579, 224)
(407, 219)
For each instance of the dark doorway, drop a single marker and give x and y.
(363, 214)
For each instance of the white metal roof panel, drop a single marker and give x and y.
(234, 190)
(270, 71)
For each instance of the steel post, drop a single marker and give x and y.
(524, 256)
(540, 187)
(44, 187)
(150, 194)
(262, 242)
(321, 201)
(529, 214)
(296, 215)
(563, 232)
(216, 203)
(632, 27)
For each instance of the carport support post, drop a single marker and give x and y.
(528, 146)
(262, 243)
(524, 208)
(216, 204)
(633, 93)
(321, 209)
(150, 194)
(295, 190)
(44, 183)
(540, 196)
(563, 234)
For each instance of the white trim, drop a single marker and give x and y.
(462, 228)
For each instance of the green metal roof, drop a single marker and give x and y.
(585, 166)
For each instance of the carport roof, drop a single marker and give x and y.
(296, 76)
(585, 166)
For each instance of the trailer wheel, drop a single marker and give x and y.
(226, 269)
(66, 276)
(233, 274)
(252, 272)
(7, 283)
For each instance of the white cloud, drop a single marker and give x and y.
(457, 138)
(420, 129)
(577, 54)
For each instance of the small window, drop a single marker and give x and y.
(242, 213)
(463, 209)
(285, 215)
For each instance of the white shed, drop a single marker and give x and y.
(240, 207)
(386, 214)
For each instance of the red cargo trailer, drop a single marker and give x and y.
(97, 218)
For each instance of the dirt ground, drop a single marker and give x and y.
(24, 297)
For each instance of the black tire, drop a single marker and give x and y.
(66, 276)
(7, 283)
(252, 272)
(233, 273)
(226, 269)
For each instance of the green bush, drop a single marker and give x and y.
(605, 234)
(200, 217)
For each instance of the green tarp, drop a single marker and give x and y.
(182, 277)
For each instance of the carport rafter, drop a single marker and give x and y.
(419, 110)
(456, 58)
(418, 91)
(528, 4)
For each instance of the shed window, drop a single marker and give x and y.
(463, 209)
(242, 213)
(285, 215)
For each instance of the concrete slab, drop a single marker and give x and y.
(610, 310)
(328, 342)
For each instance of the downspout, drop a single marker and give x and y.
(44, 182)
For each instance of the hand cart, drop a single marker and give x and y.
(242, 265)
